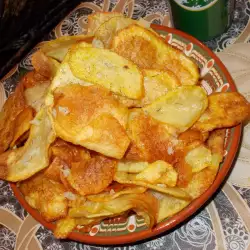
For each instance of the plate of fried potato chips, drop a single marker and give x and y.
(122, 133)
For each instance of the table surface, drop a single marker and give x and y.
(225, 222)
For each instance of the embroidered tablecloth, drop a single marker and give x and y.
(225, 222)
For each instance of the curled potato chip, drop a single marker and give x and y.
(14, 105)
(53, 172)
(168, 205)
(32, 79)
(144, 204)
(225, 110)
(22, 163)
(92, 176)
(126, 178)
(59, 47)
(112, 72)
(91, 117)
(112, 194)
(149, 51)
(22, 125)
(131, 166)
(46, 196)
(199, 158)
(180, 108)
(44, 65)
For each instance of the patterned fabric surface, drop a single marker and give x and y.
(225, 222)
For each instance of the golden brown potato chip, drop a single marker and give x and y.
(14, 105)
(59, 47)
(149, 51)
(180, 108)
(53, 172)
(126, 178)
(22, 163)
(22, 125)
(131, 166)
(168, 205)
(112, 72)
(87, 116)
(144, 204)
(64, 227)
(225, 110)
(92, 176)
(150, 140)
(201, 181)
(44, 65)
(46, 196)
(33, 78)
(112, 194)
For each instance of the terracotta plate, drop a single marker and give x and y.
(215, 78)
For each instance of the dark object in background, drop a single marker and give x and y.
(23, 23)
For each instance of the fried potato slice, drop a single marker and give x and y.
(180, 108)
(225, 110)
(201, 181)
(64, 227)
(112, 71)
(13, 106)
(143, 204)
(53, 172)
(24, 162)
(199, 158)
(91, 117)
(44, 65)
(22, 125)
(150, 140)
(168, 205)
(92, 176)
(33, 78)
(126, 178)
(96, 19)
(149, 51)
(35, 96)
(131, 166)
(46, 196)
(59, 47)
(120, 189)
(158, 172)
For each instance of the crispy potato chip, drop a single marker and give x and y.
(158, 172)
(199, 158)
(140, 203)
(150, 140)
(14, 105)
(91, 117)
(53, 172)
(184, 171)
(59, 47)
(149, 51)
(168, 205)
(225, 110)
(46, 196)
(112, 72)
(107, 196)
(44, 65)
(22, 125)
(33, 78)
(64, 227)
(35, 96)
(180, 108)
(131, 166)
(96, 19)
(92, 176)
(22, 163)
(126, 178)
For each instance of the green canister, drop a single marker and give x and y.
(203, 19)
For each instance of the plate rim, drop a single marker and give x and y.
(181, 216)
